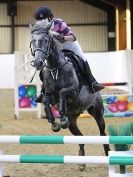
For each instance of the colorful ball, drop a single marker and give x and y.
(122, 106)
(122, 97)
(111, 99)
(104, 101)
(31, 91)
(22, 91)
(130, 106)
(24, 102)
(112, 107)
(130, 98)
(33, 103)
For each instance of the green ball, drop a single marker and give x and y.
(104, 101)
(31, 91)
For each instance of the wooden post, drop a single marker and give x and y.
(122, 24)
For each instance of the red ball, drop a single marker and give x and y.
(122, 106)
(24, 102)
(112, 107)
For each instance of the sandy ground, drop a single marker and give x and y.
(29, 124)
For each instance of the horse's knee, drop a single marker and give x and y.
(46, 100)
(62, 94)
(53, 100)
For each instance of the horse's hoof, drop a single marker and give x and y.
(56, 127)
(82, 167)
(64, 123)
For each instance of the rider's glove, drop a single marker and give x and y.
(59, 38)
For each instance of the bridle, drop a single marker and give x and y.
(46, 52)
(54, 71)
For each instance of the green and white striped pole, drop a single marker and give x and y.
(60, 159)
(66, 139)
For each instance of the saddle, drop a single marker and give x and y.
(78, 64)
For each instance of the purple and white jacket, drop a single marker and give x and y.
(61, 27)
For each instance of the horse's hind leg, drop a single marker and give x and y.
(97, 112)
(75, 131)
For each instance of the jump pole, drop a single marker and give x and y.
(108, 84)
(117, 158)
(60, 159)
(66, 139)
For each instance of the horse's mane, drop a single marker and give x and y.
(41, 26)
(36, 29)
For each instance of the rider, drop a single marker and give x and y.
(68, 42)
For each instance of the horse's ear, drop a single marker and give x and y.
(30, 26)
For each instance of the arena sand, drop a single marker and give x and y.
(28, 124)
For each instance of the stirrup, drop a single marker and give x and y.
(38, 99)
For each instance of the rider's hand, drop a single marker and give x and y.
(59, 38)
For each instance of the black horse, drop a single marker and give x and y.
(63, 87)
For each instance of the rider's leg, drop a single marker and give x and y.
(93, 84)
(38, 99)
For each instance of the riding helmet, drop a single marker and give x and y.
(43, 13)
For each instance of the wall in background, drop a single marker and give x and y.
(6, 71)
(105, 66)
(87, 22)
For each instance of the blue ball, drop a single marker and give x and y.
(33, 103)
(130, 98)
(22, 91)
(111, 99)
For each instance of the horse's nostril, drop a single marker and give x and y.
(38, 63)
(41, 63)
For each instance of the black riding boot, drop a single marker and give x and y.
(38, 99)
(93, 84)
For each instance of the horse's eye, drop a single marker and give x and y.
(46, 40)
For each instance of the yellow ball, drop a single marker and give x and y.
(122, 97)
(130, 106)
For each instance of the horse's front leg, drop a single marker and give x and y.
(62, 110)
(54, 125)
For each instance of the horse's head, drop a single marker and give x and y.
(40, 43)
